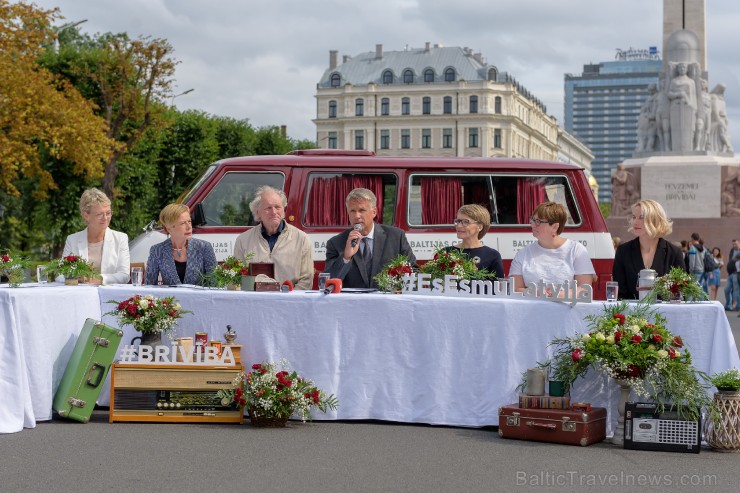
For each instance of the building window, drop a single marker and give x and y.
(497, 105)
(332, 109)
(406, 106)
(385, 105)
(426, 138)
(429, 75)
(450, 75)
(492, 74)
(406, 139)
(473, 137)
(447, 105)
(385, 139)
(332, 141)
(474, 104)
(359, 140)
(408, 76)
(336, 79)
(426, 105)
(497, 138)
(387, 77)
(359, 107)
(447, 138)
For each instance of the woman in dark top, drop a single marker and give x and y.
(648, 251)
(472, 224)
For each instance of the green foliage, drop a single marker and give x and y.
(728, 380)
(605, 208)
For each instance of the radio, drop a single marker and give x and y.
(173, 393)
(647, 429)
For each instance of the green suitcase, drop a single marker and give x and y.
(85, 374)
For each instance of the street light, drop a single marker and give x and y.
(64, 27)
(172, 102)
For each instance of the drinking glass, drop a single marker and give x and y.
(322, 279)
(41, 275)
(137, 274)
(612, 290)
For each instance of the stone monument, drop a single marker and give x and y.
(684, 158)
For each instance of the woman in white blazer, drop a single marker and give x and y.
(106, 249)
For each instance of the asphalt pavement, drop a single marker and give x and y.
(330, 456)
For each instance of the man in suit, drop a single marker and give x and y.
(356, 255)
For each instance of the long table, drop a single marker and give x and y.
(423, 359)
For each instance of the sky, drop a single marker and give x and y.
(261, 60)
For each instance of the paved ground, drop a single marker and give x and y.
(65, 456)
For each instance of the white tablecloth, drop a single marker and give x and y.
(437, 360)
(38, 330)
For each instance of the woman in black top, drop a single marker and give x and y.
(471, 225)
(648, 251)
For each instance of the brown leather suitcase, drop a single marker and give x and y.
(552, 425)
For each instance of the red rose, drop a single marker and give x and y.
(619, 317)
(636, 339)
(256, 366)
(407, 269)
(435, 256)
(633, 371)
(577, 355)
(131, 309)
(671, 352)
(657, 338)
(238, 392)
(315, 396)
(618, 336)
(677, 341)
(452, 265)
(443, 266)
(6, 258)
(244, 272)
(172, 313)
(675, 289)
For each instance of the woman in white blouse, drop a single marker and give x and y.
(106, 249)
(551, 258)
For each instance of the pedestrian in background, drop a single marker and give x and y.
(713, 279)
(732, 288)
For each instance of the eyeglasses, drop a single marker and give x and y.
(464, 222)
(101, 215)
(538, 221)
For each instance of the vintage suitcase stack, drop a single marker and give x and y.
(85, 374)
(553, 425)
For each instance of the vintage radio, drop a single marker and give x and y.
(647, 429)
(172, 393)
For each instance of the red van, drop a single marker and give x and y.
(420, 195)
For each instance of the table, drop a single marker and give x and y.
(407, 358)
(424, 359)
(39, 326)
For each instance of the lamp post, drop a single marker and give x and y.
(64, 27)
(172, 102)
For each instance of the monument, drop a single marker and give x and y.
(684, 158)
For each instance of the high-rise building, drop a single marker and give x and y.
(602, 105)
(435, 101)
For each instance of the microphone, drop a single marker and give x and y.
(332, 286)
(356, 227)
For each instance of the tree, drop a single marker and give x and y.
(41, 110)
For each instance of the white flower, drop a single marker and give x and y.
(610, 339)
(177, 306)
(635, 329)
(651, 347)
(149, 297)
(663, 353)
(600, 337)
(143, 304)
(586, 337)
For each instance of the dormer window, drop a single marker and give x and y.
(429, 75)
(336, 80)
(408, 76)
(450, 75)
(387, 77)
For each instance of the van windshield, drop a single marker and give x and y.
(195, 185)
(434, 199)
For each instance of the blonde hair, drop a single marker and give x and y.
(479, 214)
(360, 194)
(654, 219)
(552, 212)
(91, 197)
(171, 213)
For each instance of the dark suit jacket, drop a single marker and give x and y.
(388, 243)
(628, 264)
(201, 261)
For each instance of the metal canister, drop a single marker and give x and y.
(201, 341)
(645, 282)
(217, 345)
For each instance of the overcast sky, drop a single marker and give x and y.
(262, 59)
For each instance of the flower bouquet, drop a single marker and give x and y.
(454, 262)
(230, 272)
(72, 267)
(633, 345)
(14, 268)
(390, 279)
(676, 285)
(274, 396)
(148, 314)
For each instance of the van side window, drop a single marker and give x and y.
(434, 199)
(327, 191)
(228, 203)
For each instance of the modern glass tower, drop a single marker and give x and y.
(602, 105)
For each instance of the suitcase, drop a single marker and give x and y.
(85, 374)
(552, 425)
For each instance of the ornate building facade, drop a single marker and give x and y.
(435, 101)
